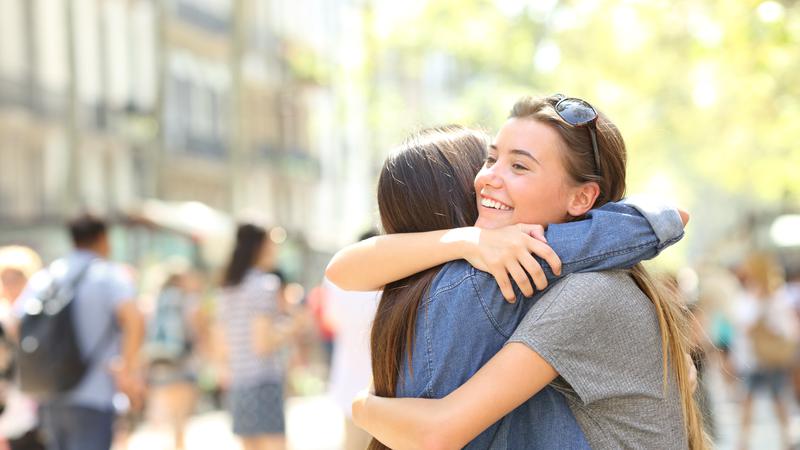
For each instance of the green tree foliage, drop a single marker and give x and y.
(705, 92)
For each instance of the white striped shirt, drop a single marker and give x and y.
(256, 295)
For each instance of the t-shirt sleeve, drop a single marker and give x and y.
(593, 339)
(263, 290)
(120, 285)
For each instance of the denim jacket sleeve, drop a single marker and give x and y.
(617, 235)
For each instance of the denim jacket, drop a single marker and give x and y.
(464, 320)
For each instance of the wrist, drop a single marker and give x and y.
(359, 409)
(125, 366)
(461, 243)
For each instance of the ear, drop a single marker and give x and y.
(583, 198)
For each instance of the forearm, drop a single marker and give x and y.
(218, 346)
(618, 235)
(371, 264)
(131, 345)
(402, 423)
(278, 336)
(131, 342)
(452, 422)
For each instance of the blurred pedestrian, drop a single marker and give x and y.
(108, 330)
(256, 337)
(18, 420)
(351, 314)
(169, 348)
(793, 290)
(17, 265)
(317, 305)
(765, 345)
(718, 290)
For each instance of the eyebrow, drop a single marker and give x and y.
(518, 151)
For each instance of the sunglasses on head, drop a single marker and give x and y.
(578, 113)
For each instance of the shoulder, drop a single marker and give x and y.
(111, 272)
(261, 280)
(460, 278)
(466, 297)
(111, 280)
(454, 275)
(607, 294)
(603, 284)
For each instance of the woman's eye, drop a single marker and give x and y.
(489, 161)
(518, 167)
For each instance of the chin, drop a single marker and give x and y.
(490, 223)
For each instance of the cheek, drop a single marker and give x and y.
(480, 180)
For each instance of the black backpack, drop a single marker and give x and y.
(49, 358)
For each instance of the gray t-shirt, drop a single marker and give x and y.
(601, 334)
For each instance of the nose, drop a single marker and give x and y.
(488, 176)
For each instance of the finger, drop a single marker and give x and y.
(534, 231)
(684, 216)
(533, 268)
(544, 251)
(501, 276)
(521, 278)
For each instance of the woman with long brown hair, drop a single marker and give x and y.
(434, 329)
(254, 336)
(614, 343)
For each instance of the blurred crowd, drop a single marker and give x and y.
(163, 344)
(160, 345)
(748, 321)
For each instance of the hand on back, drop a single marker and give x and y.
(508, 251)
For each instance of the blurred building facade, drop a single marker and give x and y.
(237, 104)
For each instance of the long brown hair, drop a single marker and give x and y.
(250, 240)
(425, 185)
(673, 316)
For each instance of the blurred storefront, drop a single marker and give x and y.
(236, 105)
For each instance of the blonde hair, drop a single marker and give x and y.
(673, 316)
(764, 272)
(20, 258)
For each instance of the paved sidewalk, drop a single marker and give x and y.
(313, 423)
(765, 433)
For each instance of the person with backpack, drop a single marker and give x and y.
(80, 332)
(766, 340)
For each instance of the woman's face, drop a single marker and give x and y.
(523, 179)
(12, 283)
(266, 258)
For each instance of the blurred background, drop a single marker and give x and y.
(177, 118)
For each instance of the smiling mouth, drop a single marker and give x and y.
(494, 204)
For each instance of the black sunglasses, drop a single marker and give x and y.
(578, 113)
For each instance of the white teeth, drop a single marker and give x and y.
(489, 203)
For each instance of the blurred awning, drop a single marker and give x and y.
(210, 228)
